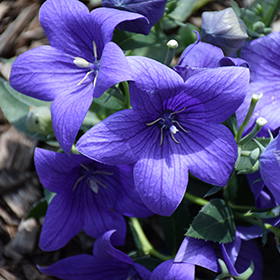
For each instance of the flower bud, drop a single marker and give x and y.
(39, 120)
(224, 29)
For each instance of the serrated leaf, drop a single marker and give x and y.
(214, 222)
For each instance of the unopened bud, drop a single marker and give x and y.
(224, 29)
(39, 120)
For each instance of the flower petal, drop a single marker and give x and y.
(103, 250)
(57, 172)
(154, 82)
(114, 68)
(99, 215)
(116, 140)
(250, 252)
(73, 268)
(221, 91)
(263, 57)
(267, 107)
(68, 113)
(152, 10)
(128, 200)
(68, 26)
(197, 252)
(106, 19)
(45, 73)
(210, 149)
(64, 219)
(169, 270)
(161, 176)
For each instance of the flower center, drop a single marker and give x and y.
(92, 67)
(90, 174)
(167, 121)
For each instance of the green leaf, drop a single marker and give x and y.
(130, 41)
(183, 10)
(214, 222)
(214, 190)
(111, 99)
(48, 195)
(38, 210)
(178, 13)
(173, 227)
(236, 8)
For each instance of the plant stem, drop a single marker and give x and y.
(195, 199)
(126, 93)
(146, 245)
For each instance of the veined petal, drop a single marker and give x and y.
(270, 169)
(169, 270)
(128, 201)
(198, 57)
(221, 91)
(119, 139)
(210, 149)
(46, 72)
(106, 19)
(197, 252)
(57, 172)
(152, 10)
(250, 252)
(154, 82)
(263, 57)
(103, 249)
(68, 113)
(68, 26)
(99, 215)
(114, 68)
(267, 106)
(161, 176)
(64, 219)
(73, 268)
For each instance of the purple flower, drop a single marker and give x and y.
(107, 263)
(151, 10)
(200, 56)
(80, 64)
(174, 127)
(237, 255)
(224, 29)
(270, 167)
(169, 270)
(90, 196)
(263, 58)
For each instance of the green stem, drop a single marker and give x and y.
(243, 208)
(147, 247)
(270, 16)
(269, 227)
(195, 199)
(126, 93)
(248, 116)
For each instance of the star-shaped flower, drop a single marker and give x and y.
(80, 64)
(89, 196)
(174, 127)
(237, 255)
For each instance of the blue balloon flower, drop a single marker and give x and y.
(173, 127)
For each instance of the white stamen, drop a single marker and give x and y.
(173, 129)
(94, 50)
(81, 62)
